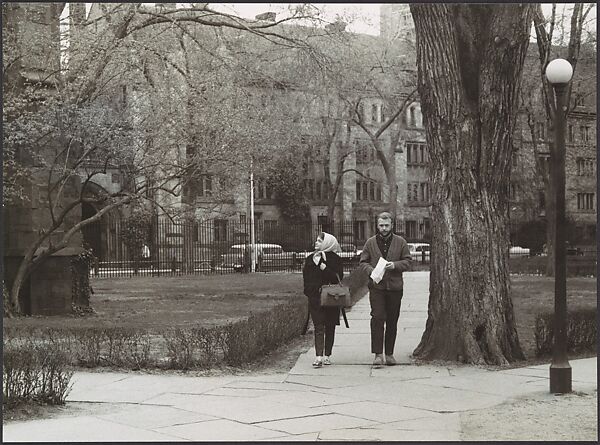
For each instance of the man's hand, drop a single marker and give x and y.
(322, 266)
(389, 265)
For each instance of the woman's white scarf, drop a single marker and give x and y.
(329, 244)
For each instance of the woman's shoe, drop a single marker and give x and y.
(326, 360)
(318, 363)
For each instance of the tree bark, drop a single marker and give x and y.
(470, 59)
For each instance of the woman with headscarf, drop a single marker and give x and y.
(323, 266)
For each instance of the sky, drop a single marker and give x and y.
(363, 17)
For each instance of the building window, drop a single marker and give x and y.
(243, 219)
(571, 134)
(586, 166)
(585, 201)
(411, 229)
(321, 190)
(417, 154)
(544, 164)
(115, 178)
(360, 230)
(418, 192)
(309, 185)
(542, 199)
(270, 224)
(540, 130)
(205, 187)
(374, 113)
(220, 230)
(368, 191)
(584, 132)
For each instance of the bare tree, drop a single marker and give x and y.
(544, 29)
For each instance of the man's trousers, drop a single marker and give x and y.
(385, 310)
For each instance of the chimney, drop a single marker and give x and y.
(165, 6)
(266, 16)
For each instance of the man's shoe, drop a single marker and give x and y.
(378, 362)
(390, 360)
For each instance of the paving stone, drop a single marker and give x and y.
(151, 417)
(79, 429)
(310, 399)
(315, 423)
(219, 430)
(376, 411)
(328, 382)
(240, 409)
(309, 437)
(415, 394)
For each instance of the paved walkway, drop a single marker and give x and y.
(346, 401)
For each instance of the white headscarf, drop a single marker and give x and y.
(329, 244)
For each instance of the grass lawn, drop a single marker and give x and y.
(156, 303)
(532, 295)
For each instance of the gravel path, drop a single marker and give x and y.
(542, 417)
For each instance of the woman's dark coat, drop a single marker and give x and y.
(314, 278)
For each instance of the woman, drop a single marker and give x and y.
(323, 266)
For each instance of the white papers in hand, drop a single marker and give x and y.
(379, 270)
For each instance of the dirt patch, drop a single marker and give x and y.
(566, 417)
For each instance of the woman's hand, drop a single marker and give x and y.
(322, 266)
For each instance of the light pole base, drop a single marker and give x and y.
(560, 378)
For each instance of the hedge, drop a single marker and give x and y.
(577, 266)
(581, 331)
(233, 344)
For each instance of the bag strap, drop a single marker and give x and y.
(345, 319)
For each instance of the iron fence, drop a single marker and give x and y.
(166, 247)
(219, 246)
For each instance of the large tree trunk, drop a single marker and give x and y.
(470, 59)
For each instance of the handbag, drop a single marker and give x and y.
(335, 295)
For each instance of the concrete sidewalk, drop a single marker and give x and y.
(346, 401)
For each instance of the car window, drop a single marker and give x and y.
(347, 247)
(272, 250)
(235, 250)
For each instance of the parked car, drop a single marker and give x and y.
(517, 251)
(418, 251)
(349, 253)
(274, 257)
(268, 256)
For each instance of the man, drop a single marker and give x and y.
(385, 297)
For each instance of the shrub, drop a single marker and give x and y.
(581, 331)
(234, 343)
(264, 331)
(536, 265)
(35, 371)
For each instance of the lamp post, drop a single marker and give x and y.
(252, 238)
(558, 73)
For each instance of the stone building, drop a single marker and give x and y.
(32, 55)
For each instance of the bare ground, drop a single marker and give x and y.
(541, 417)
